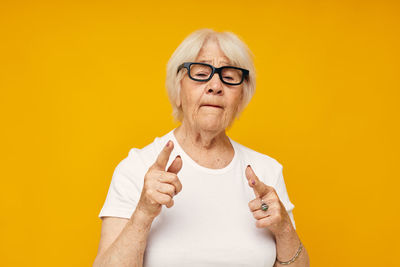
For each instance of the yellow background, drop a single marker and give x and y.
(83, 82)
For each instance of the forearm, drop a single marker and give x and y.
(287, 244)
(128, 249)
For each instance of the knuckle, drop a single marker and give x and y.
(166, 176)
(179, 187)
(252, 204)
(174, 177)
(169, 177)
(172, 192)
(160, 176)
(170, 189)
(152, 175)
(149, 192)
(165, 199)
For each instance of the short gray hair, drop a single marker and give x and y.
(235, 50)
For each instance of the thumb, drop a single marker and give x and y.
(176, 165)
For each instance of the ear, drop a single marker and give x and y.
(178, 101)
(240, 105)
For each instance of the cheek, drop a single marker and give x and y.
(184, 91)
(190, 95)
(235, 101)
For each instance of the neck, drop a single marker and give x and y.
(211, 149)
(200, 139)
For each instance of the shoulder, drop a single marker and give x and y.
(257, 157)
(266, 167)
(140, 159)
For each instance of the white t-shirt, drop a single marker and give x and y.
(210, 223)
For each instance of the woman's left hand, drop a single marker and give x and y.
(275, 218)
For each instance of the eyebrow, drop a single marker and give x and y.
(209, 61)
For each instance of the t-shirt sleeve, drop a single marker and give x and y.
(280, 188)
(125, 188)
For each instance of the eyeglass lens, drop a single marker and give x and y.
(203, 72)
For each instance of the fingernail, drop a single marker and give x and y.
(168, 143)
(248, 166)
(253, 182)
(178, 156)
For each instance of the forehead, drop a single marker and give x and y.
(211, 52)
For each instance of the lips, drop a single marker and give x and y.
(211, 105)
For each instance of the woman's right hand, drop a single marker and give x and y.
(160, 186)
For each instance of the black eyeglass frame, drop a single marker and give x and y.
(187, 65)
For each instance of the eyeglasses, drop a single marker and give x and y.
(203, 72)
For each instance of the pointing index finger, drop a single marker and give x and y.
(163, 157)
(260, 189)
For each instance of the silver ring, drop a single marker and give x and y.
(264, 206)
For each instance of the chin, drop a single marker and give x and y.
(208, 124)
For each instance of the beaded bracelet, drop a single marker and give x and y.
(292, 259)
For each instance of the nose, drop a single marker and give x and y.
(215, 85)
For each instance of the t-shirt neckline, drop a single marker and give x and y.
(188, 159)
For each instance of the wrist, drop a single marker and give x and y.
(141, 218)
(294, 258)
(287, 232)
(288, 244)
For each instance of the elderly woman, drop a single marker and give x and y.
(227, 205)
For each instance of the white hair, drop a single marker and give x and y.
(233, 48)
